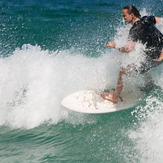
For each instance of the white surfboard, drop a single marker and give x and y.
(90, 101)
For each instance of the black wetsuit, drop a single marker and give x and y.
(144, 31)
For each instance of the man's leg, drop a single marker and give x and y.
(115, 96)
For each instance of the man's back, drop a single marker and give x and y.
(144, 31)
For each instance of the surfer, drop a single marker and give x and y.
(143, 30)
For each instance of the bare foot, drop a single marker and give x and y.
(109, 97)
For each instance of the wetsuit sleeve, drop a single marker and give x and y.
(149, 19)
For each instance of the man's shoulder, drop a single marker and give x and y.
(143, 22)
(148, 19)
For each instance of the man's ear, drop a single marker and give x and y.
(132, 14)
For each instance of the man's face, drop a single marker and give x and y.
(127, 17)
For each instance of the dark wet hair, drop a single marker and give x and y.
(132, 9)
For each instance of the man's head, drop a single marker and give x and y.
(130, 13)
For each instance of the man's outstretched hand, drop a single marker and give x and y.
(110, 44)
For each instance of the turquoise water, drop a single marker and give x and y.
(49, 49)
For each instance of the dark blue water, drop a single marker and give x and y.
(50, 49)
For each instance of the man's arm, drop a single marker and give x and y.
(158, 19)
(126, 49)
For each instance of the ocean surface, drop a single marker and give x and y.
(52, 48)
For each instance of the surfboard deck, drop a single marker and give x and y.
(90, 101)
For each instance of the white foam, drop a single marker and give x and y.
(33, 82)
(148, 137)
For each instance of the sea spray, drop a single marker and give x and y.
(147, 134)
(33, 83)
